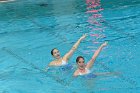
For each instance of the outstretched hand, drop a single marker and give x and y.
(104, 44)
(83, 37)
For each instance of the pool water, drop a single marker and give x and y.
(29, 29)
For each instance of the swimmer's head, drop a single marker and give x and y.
(80, 61)
(55, 53)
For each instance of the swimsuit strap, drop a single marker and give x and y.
(63, 62)
(87, 72)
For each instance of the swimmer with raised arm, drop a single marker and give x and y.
(60, 61)
(83, 68)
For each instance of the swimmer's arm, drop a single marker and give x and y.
(97, 52)
(51, 64)
(75, 46)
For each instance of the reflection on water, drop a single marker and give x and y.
(94, 20)
(95, 17)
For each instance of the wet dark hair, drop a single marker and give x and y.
(77, 59)
(53, 50)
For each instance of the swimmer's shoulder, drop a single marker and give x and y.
(75, 74)
(53, 63)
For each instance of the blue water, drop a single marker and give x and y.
(29, 29)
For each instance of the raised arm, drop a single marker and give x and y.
(97, 52)
(75, 46)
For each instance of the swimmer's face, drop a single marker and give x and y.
(56, 53)
(81, 62)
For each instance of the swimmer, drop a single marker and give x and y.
(83, 68)
(60, 61)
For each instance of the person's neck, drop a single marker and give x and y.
(58, 59)
(81, 68)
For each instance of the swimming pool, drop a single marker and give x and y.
(29, 29)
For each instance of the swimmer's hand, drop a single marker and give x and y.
(83, 37)
(104, 44)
